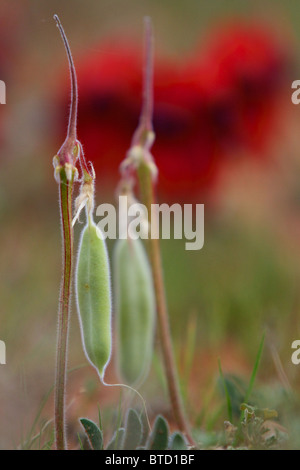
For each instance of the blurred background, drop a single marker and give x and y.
(227, 135)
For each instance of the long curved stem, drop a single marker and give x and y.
(65, 199)
(65, 172)
(148, 198)
(143, 138)
(74, 89)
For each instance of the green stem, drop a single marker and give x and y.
(65, 200)
(148, 198)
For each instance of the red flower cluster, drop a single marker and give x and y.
(223, 98)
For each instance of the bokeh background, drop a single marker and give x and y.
(227, 136)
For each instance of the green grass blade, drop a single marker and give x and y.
(80, 441)
(228, 399)
(255, 369)
(99, 418)
(29, 439)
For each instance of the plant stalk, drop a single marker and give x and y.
(148, 198)
(65, 200)
(65, 174)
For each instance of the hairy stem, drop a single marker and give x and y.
(148, 198)
(65, 200)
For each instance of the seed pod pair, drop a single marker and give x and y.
(93, 297)
(135, 310)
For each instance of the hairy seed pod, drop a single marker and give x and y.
(94, 297)
(135, 310)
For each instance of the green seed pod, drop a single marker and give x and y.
(135, 310)
(94, 298)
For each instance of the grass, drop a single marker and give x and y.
(227, 263)
(228, 399)
(269, 422)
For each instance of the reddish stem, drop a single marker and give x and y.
(67, 154)
(65, 200)
(71, 133)
(144, 138)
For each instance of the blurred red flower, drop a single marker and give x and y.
(221, 99)
(247, 69)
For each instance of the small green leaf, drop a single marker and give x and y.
(117, 440)
(158, 439)
(264, 413)
(177, 442)
(133, 431)
(94, 434)
(268, 414)
(249, 408)
(145, 430)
